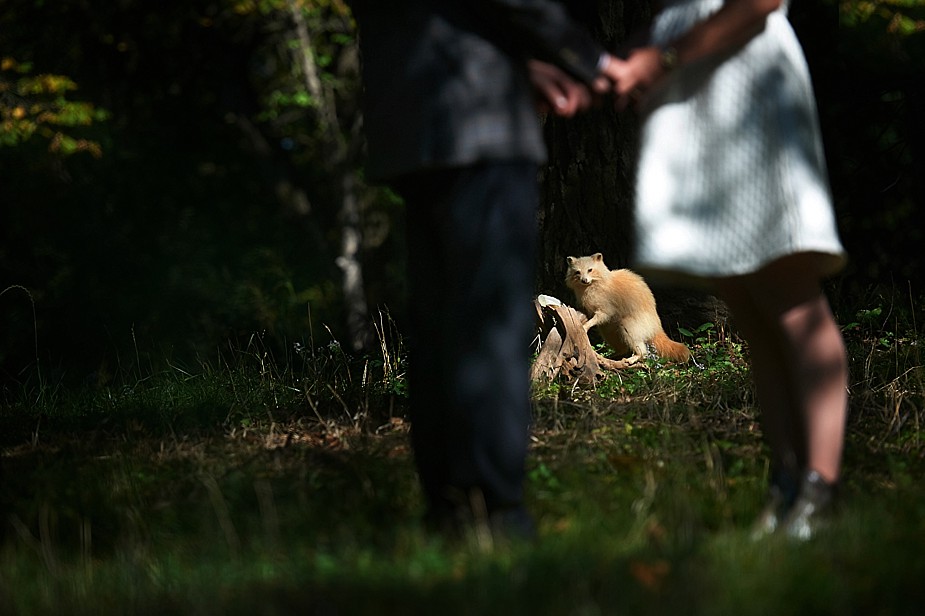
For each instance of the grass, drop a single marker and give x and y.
(258, 485)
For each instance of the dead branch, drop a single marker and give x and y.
(565, 348)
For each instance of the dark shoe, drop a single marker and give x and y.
(812, 509)
(770, 517)
(782, 494)
(513, 524)
(501, 526)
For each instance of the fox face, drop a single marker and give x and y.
(582, 271)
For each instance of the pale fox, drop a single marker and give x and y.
(621, 305)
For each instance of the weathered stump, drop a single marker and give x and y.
(564, 346)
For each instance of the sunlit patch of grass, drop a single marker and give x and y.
(264, 485)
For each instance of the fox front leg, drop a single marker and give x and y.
(594, 320)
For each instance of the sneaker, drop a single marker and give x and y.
(812, 509)
(782, 494)
(769, 518)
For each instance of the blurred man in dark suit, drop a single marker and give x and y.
(451, 121)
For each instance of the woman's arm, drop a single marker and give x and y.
(736, 23)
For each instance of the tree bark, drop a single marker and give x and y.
(358, 323)
(587, 187)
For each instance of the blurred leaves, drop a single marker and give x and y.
(214, 213)
(306, 73)
(867, 59)
(210, 217)
(244, 7)
(886, 34)
(896, 17)
(37, 105)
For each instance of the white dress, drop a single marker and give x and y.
(731, 171)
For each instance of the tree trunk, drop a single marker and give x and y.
(358, 323)
(586, 193)
(341, 157)
(588, 185)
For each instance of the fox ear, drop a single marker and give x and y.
(597, 256)
(569, 260)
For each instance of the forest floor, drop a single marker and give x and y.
(260, 488)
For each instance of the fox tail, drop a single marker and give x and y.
(669, 349)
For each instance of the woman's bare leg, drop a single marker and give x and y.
(798, 362)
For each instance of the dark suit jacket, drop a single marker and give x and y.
(446, 84)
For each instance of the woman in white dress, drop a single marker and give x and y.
(732, 191)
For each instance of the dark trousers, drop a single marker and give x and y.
(472, 245)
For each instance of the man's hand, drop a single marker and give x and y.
(557, 91)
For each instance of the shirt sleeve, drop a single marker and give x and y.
(541, 29)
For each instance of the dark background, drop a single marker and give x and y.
(215, 213)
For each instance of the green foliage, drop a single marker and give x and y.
(716, 375)
(866, 58)
(276, 477)
(264, 485)
(888, 371)
(899, 18)
(37, 105)
(214, 214)
(313, 68)
(868, 322)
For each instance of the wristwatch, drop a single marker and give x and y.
(669, 59)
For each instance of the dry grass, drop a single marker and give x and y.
(268, 486)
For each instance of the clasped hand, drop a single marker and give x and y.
(628, 80)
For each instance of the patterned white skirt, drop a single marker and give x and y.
(731, 173)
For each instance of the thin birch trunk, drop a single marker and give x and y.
(339, 157)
